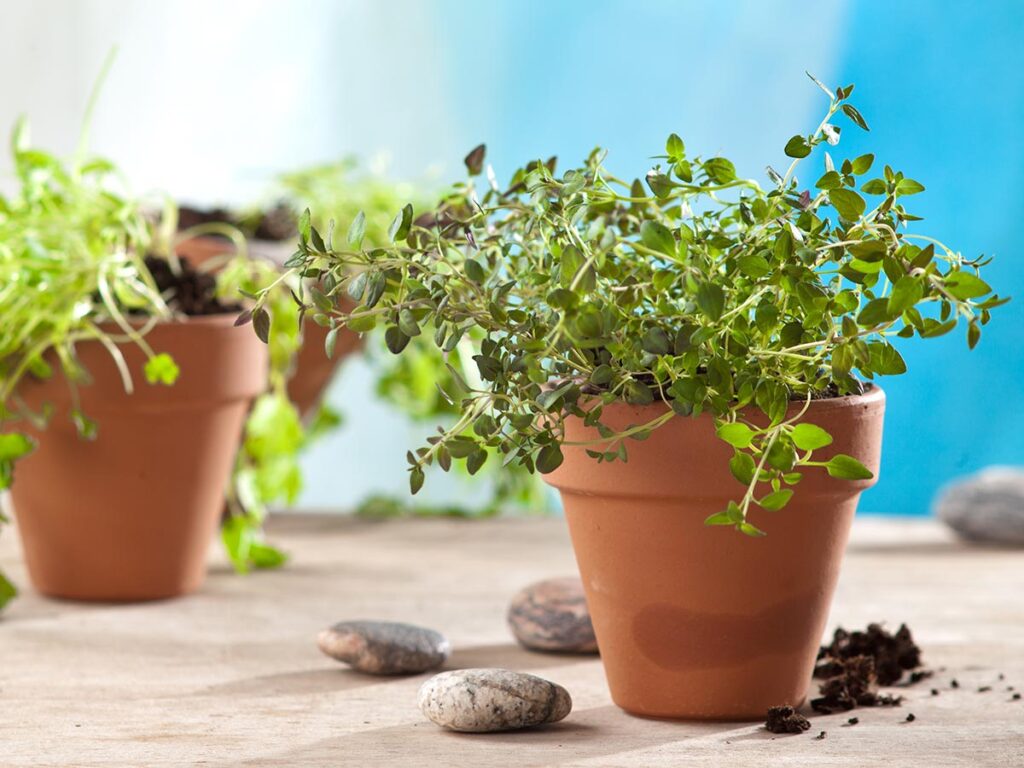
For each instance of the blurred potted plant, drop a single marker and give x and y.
(123, 507)
(715, 328)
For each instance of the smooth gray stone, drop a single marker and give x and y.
(552, 615)
(385, 647)
(489, 700)
(986, 507)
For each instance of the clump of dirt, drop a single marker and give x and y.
(188, 291)
(786, 720)
(854, 685)
(893, 654)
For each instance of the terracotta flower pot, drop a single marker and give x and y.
(129, 515)
(313, 369)
(702, 622)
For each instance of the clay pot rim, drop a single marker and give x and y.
(873, 394)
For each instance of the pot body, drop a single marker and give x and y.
(129, 516)
(313, 369)
(701, 622)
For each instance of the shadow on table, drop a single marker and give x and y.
(591, 733)
(512, 656)
(299, 683)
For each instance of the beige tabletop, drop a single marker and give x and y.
(231, 676)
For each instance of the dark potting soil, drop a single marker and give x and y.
(786, 720)
(276, 223)
(854, 685)
(893, 654)
(188, 291)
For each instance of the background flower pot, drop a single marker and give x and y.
(313, 369)
(129, 515)
(705, 622)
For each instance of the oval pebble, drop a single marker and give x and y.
(552, 615)
(490, 700)
(986, 507)
(385, 647)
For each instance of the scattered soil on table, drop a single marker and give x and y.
(855, 685)
(786, 720)
(911, 718)
(985, 689)
(893, 654)
(821, 736)
(1015, 697)
(853, 721)
(954, 683)
(188, 291)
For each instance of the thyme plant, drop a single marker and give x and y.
(693, 290)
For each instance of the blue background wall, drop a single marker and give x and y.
(208, 103)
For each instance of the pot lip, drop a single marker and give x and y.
(873, 395)
(175, 320)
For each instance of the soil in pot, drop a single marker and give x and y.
(130, 515)
(705, 623)
(313, 369)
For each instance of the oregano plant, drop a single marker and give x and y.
(692, 287)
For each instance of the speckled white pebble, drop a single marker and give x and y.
(488, 700)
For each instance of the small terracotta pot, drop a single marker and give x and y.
(129, 516)
(698, 622)
(313, 369)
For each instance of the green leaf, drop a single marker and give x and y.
(475, 161)
(161, 369)
(908, 187)
(261, 324)
(776, 501)
(416, 478)
(400, 225)
(711, 300)
(751, 530)
(395, 339)
(831, 180)
(549, 458)
(742, 467)
(674, 147)
(965, 285)
(848, 203)
(736, 433)
(906, 292)
(656, 342)
(658, 237)
(847, 468)
(474, 271)
(809, 437)
(798, 147)
(862, 164)
(407, 323)
(7, 591)
(875, 312)
(851, 112)
(874, 187)
(885, 359)
(357, 230)
(720, 170)
(14, 445)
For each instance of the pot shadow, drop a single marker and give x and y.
(599, 732)
(512, 656)
(299, 683)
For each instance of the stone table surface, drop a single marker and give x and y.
(232, 676)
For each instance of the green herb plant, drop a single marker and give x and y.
(71, 270)
(356, 198)
(694, 288)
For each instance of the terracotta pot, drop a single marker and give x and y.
(700, 622)
(313, 369)
(129, 515)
